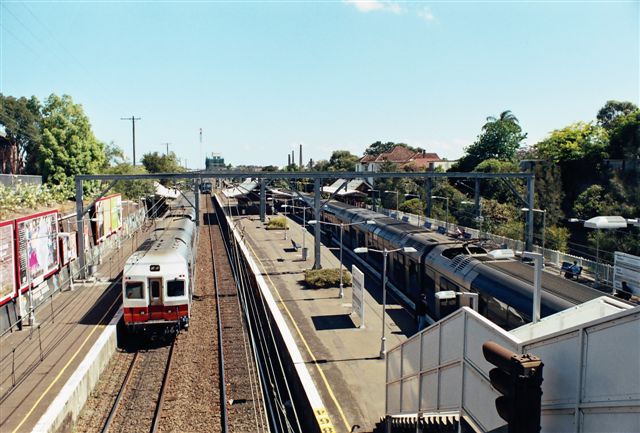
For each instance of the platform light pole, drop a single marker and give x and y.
(385, 252)
(342, 226)
(397, 199)
(446, 220)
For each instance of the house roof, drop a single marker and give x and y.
(403, 155)
(351, 188)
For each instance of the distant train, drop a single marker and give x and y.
(441, 263)
(158, 279)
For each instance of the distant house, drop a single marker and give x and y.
(354, 192)
(404, 158)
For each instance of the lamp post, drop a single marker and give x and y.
(602, 223)
(342, 226)
(385, 252)
(373, 196)
(397, 199)
(480, 219)
(446, 221)
(544, 217)
(285, 205)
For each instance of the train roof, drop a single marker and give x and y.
(556, 284)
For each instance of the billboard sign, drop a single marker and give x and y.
(357, 299)
(37, 247)
(626, 269)
(107, 216)
(7, 262)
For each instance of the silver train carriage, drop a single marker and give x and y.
(442, 263)
(157, 283)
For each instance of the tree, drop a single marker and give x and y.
(342, 160)
(321, 165)
(68, 146)
(500, 139)
(498, 189)
(549, 193)
(379, 147)
(21, 119)
(154, 162)
(414, 206)
(577, 141)
(114, 155)
(624, 136)
(591, 202)
(557, 238)
(612, 110)
(131, 189)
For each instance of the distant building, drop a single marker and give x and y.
(404, 158)
(215, 163)
(354, 192)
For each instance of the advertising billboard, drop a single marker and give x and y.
(37, 247)
(107, 216)
(7, 262)
(69, 245)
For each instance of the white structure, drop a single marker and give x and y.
(591, 370)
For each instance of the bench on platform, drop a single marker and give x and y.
(427, 225)
(570, 270)
(442, 230)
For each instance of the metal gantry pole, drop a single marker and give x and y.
(341, 285)
(80, 222)
(316, 230)
(263, 200)
(530, 205)
(428, 187)
(197, 202)
(383, 348)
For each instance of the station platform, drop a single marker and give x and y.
(342, 358)
(37, 361)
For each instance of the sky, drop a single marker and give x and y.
(261, 77)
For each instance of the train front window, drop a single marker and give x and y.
(175, 288)
(133, 290)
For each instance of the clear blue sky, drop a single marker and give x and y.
(261, 77)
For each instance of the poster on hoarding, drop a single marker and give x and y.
(37, 247)
(7, 262)
(108, 216)
(69, 247)
(116, 213)
(357, 300)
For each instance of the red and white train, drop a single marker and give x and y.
(158, 279)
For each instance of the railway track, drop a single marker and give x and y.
(138, 404)
(240, 395)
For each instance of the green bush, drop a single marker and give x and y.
(324, 278)
(28, 196)
(277, 223)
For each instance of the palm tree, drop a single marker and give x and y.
(505, 116)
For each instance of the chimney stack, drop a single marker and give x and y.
(293, 158)
(300, 156)
(288, 160)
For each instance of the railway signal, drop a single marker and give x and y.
(518, 378)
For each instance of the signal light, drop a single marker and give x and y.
(519, 379)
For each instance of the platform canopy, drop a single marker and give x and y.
(606, 222)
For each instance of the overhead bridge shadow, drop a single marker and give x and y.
(210, 219)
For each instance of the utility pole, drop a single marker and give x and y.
(133, 123)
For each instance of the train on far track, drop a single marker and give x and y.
(158, 278)
(450, 271)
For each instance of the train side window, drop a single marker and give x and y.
(175, 288)
(445, 284)
(133, 290)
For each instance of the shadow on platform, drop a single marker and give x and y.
(335, 321)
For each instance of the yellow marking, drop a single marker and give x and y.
(324, 378)
(324, 422)
(96, 327)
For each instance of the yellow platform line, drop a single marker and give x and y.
(324, 378)
(46, 391)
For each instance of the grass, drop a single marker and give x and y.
(277, 223)
(325, 278)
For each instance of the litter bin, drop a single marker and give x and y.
(304, 253)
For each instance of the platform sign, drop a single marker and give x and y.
(626, 268)
(357, 301)
(7, 262)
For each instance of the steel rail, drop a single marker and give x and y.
(116, 404)
(223, 384)
(156, 415)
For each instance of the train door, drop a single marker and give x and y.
(155, 298)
